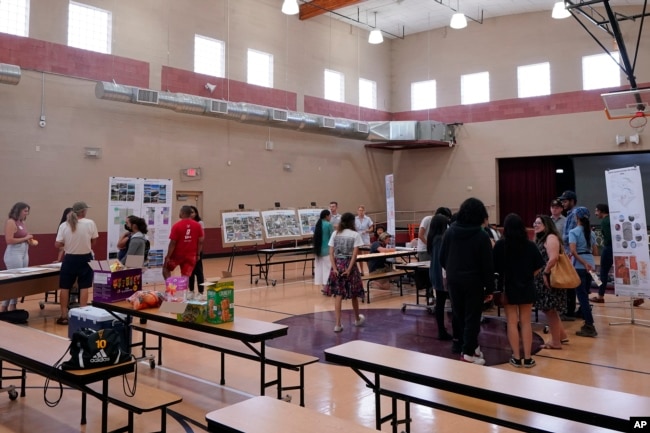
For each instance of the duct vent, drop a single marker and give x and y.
(362, 127)
(146, 96)
(328, 122)
(217, 106)
(279, 115)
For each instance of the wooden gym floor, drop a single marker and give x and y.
(617, 359)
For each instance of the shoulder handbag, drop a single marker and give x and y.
(563, 274)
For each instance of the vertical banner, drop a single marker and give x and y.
(629, 232)
(150, 199)
(390, 205)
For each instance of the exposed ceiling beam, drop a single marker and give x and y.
(320, 7)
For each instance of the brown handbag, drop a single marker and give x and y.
(563, 274)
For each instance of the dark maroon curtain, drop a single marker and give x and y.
(526, 187)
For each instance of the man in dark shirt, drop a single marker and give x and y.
(606, 256)
(379, 265)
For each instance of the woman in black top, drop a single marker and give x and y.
(517, 260)
(466, 256)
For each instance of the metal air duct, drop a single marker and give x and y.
(273, 117)
(9, 74)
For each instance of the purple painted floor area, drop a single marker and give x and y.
(414, 329)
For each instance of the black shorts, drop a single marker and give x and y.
(75, 268)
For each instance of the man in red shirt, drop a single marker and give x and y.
(185, 245)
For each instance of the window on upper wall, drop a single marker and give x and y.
(260, 68)
(334, 86)
(475, 88)
(423, 95)
(600, 70)
(89, 28)
(367, 93)
(14, 17)
(534, 80)
(209, 56)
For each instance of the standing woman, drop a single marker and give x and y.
(517, 261)
(76, 236)
(437, 228)
(466, 256)
(197, 273)
(344, 280)
(551, 301)
(18, 240)
(138, 241)
(582, 243)
(64, 218)
(322, 235)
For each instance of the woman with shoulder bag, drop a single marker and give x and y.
(547, 299)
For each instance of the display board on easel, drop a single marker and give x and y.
(308, 218)
(241, 227)
(281, 224)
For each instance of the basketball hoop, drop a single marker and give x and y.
(638, 121)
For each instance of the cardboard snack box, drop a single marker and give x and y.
(221, 302)
(115, 286)
(189, 311)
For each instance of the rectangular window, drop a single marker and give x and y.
(260, 68)
(534, 80)
(89, 28)
(334, 86)
(367, 93)
(423, 95)
(209, 56)
(600, 70)
(475, 88)
(14, 17)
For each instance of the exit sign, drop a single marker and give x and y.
(193, 173)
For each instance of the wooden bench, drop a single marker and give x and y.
(145, 399)
(368, 278)
(510, 417)
(267, 415)
(263, 268)
(281, 359)
(505, 397)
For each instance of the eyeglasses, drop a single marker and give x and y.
(537, 223)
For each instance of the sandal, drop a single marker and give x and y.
(548, 346)
(564, 341)
(62, 321)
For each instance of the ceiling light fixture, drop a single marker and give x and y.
(458, 21)
(560, 11)
(375, 36)
(290, 7)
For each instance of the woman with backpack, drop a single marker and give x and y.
(138, 243)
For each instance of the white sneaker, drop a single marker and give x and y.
(338, 328)
(361, 321)
(473, 359)
(478, 353)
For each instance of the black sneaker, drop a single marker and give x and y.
(529, 363)
(587, 331)
(515, 362)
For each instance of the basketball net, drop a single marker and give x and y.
(638, 122)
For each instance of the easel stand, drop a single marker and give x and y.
(632, 320)
(231, 263)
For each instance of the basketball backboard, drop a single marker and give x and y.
(627, 104)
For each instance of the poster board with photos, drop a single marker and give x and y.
(148, 199)
(308, 218)
(241, 227)
(281, 224)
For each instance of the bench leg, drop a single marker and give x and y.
(163, 420)
(223, 369)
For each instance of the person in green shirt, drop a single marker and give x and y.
(606, 255)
